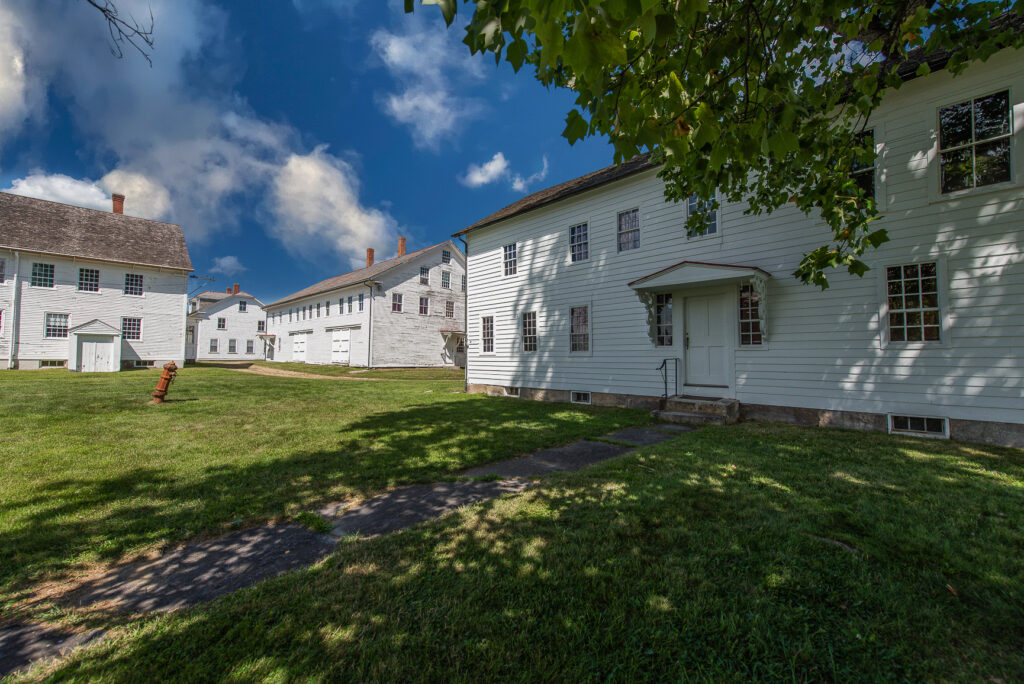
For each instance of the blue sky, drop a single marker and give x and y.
(285, 136)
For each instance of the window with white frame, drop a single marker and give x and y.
(360, 302)
(446, 280)
(232, 347)
(487, 334)
(3, 271)
(250, 346)
(974, 142)
(579, 243)
(396, 302)
(663, 320)
(424, 275)
(341, 305)
(222, 324)
(261, 326)
(529, 331)
(629, 230)
(289, 315)
(913, 303)
(213, 346)
(242, 306)
(56, 325)
(190, 334)
(449, 309)
(446, 256)
(509, 259)
(863, 172)
(88, 280)
(707, 215)
(327, 307)
(318, 309)
(350, 304)
(133, 284)
(579, 332)
(750, 316)
(424, 306)
(42, 275)
(463, 282)
(131, 328)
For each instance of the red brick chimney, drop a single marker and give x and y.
(234, 289)
(118, 203)
(227, 291)
(369, 256)
(401, 246)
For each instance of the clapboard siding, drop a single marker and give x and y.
(825, 349)
(333, 314)
(241, 326)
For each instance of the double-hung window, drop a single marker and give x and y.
(707, 215)
(56, 325)
(449, 309)
(42, 275)
(629, 230)
(360, 302)
(579, 333)
(487, 334)
(913, 303)
(463, 282)
(131, 328)
(750, 316)
(424, 275)
(974, 142)
(663, 320)
(232, 347)
(249, 346)
(133, 284)
(863, 173)
(446, 280)
(350, 304)
(446, 256)
(222, 324)
(242, 305)
(529, 331)
(318, 309)
(213, 346)
(88, 280)
(579, 243)
(396, 302)
(509, 259)
(261, 326)
(424, 306)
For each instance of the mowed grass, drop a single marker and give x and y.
(91, 472)
(390, 373)
(750, 552)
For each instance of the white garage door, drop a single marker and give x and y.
(95, 354)
(299, 347)
(340, 345)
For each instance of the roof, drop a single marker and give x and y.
(36, 225)
(218, 297)
(210, 294)
(696, 272)
(937, 60)
(360, 275)
(95, 327)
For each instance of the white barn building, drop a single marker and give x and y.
(402, 312)
(225, 326)
(89, 290)
(584, 290)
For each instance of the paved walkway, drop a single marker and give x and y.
(202, 571)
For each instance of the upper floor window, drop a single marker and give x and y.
(396, 302)
(424, 275)
(449, 309)
(222, 324)
(131, 328)
(242, 306)
(463, 282)
(446, 280)
(424, 306)
(318, 309)
(350, 304)
(509, 259)
(487, 334)
(42, 275)
(974, 142)
(579, 243)
(261, 326)
(446, 256)
(579, 333)
(663, 320)
(56, 325)
(705, 209)
(864, 173)
(327, 307)
(89, 280)
(289, 315)
(750, 316)
(629, 230)
(913, 302)
(133, 284)
(3, 269)
(360, 302)
(530, 331)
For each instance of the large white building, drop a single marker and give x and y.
(402, 312)
(89, 290)
(583, 291)
(225, 326)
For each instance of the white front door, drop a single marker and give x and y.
(339, 346)
(707, 356)
(299, 347)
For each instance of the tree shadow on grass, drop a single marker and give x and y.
(706, 557)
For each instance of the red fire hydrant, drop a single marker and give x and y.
(162, 385)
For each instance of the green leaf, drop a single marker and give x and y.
(923, 69)
(576, 127)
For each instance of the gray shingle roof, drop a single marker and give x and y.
(359, 275)
(36, 225)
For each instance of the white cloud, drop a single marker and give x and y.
(520, 184)
(143, 196)
(60, 188)
(16, 96)
(488, 172)
(227, 265)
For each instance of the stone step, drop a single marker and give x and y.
(729, 409)
(689, 418)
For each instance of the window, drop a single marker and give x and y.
(222, 324)
(579, 243)
(864, 173)
(42, 275)
(579, 397)
(663, 320)
(530, 331)
(52, 364)
(446, 280)
(249, 346)
(131, 328)
(261, 326)
(424, 275)
(327, 308)
(424, 306)
(360, 302)
(511, 391)
(56, 325)
(629, 230)
(350, 304)
(446, 256)
(289, 315)
(242, 305)
(913, 303)
(318, 309)
(750, 316)
(579, 333)
(3, 269)
(232, 347)
(88, 280)
(396, 302)
(304, 313)
(705, 209)
(213, 346)
(974, 143)
(463, 283)
(510, 259)
(919, 424)
(133, 284)
(460, 346)
(487, 333)
(144, 364)
(449, 309)
(341, 305)
(190, 334)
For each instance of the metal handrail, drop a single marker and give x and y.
(675, 376)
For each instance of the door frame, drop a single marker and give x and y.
(728, 294)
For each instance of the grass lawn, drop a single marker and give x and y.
(745, 552)
(393, 373)
(90, 472)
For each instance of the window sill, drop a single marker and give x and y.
(972, 192)
(88, 292)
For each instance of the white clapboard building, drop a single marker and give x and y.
(89, 290)
(591, 291)
(225, 326)
(406, 311)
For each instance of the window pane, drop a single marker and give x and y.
(992, 116)
(992, 162)
(956, 169)
(955, 125)
(579, 334)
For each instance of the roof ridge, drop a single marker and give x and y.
(79, 206)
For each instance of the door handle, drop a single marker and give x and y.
(686, 341)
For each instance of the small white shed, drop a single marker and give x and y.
(94, 347)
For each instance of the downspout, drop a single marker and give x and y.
(465, 313)
(369, 329)
(15, 312)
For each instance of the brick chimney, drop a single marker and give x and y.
(369, 256)
(227, 291)
(234, 289)
(401, 246)
(118, 203)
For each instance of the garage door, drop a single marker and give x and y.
(95, 353)
(340, 345)
(299, 347)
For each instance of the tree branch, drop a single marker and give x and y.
(125, 31)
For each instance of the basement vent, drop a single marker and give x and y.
(580, 397)
(511, 391)
(919, 425)
(52, 364)
(144, 364)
